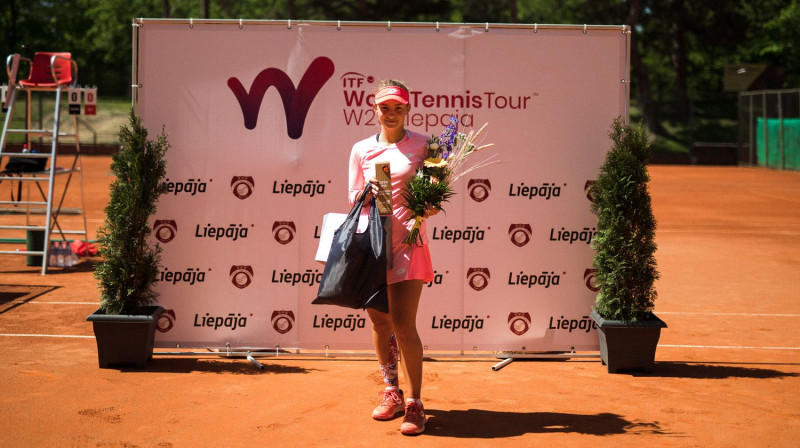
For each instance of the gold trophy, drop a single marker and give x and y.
(384, 175)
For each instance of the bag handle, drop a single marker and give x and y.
(356, 210)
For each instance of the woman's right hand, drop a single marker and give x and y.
(373, 191)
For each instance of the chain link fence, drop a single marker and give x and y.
(769, 128)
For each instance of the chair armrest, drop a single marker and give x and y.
(73, 68)
(12, 67)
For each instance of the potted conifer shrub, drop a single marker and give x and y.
(624, 254)
(125, 323)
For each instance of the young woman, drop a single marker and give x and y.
(410, 264)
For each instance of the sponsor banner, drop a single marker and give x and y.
(260, 147)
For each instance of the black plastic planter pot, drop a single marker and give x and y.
(125, 340)
(627, 346)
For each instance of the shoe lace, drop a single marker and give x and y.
(413, 412)
(390, 398)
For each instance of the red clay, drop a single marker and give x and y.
(727, 370)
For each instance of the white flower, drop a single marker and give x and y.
(433, 146)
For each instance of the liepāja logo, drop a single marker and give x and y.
(190, 187)
(478, 278)
(479, 189)
(241, 276)
(282, 321)
(587, 189)
(519, 323)
(165, 321)
(242, 186)
(283, 231)
(165, 230)
(590, 279)
(520, 234)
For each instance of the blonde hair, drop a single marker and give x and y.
(390, 82)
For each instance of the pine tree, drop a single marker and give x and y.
(625, 242)
(130, 262)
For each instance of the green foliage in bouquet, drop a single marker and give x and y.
(445, 164)
(130, 262)
(625, 242)
(428, 190)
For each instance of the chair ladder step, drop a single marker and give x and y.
(42, 132)
(22, 252)
(20, 203)
(27, 178)
(31, 155)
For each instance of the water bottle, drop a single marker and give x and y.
(60, 255)
(52, 259)
(73, 255)
(68, 260)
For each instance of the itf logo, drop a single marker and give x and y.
(296, 102)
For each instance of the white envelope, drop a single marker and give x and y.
(330, 223)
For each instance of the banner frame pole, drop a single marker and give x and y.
(288, 354)
(339, 24)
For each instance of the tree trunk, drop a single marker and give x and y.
(679, 60)
(514, 11)
(206, 11)
(165, 8)
(12, 29)
(642, 80)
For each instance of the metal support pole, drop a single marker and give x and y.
(502, 364)
(780, 129)
(255, 362)
(764, 127)
(751, 138)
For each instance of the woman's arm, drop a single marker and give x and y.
(355, 177)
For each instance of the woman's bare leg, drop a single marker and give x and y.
(403, 303)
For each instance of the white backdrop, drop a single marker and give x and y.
(249, 186)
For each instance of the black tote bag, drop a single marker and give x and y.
(355, 272)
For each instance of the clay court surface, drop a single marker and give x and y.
(727, 369)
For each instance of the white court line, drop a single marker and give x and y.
(12, 335)
(775, 196)
(56, 303)
(728, 314)
(728, 231)
(726, 347)
(729, 347)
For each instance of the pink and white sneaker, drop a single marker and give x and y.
(414, 421)
(391, 405)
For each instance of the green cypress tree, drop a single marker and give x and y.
(625, 242)
(130, 262)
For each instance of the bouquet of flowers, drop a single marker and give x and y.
(431, 185)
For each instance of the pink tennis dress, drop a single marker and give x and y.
(409, 261)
